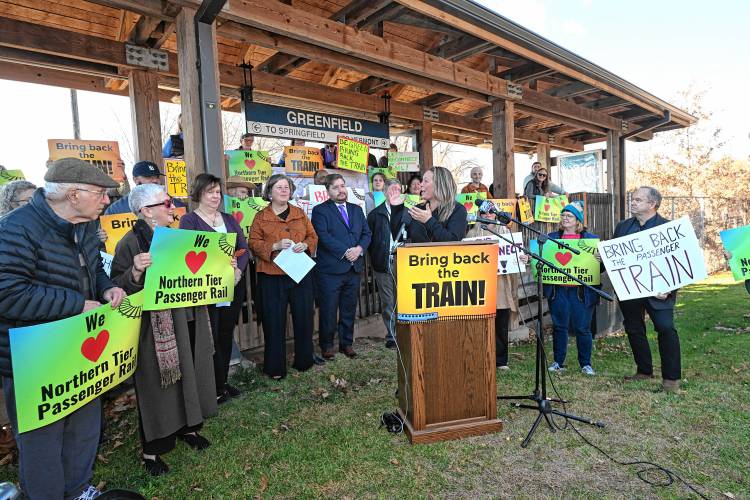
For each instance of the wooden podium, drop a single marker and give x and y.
(446, 386)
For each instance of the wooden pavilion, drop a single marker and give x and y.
(448, 70)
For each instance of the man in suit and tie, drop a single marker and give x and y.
(660, 308)
(343, 238)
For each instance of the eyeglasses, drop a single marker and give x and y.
(100, 194)
(168, 203)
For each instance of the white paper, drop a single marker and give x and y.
(107, 262)
(295, 264)
(507, 261)
(657, 260)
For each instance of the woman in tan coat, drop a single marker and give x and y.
(278, 227)
(174, 381)
(507, 300)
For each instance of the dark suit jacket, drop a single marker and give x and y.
(631, 226)
(334, 238)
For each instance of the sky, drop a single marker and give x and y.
(662, 46)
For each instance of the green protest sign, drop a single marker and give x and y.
(547, 209)
(244, 211)
(737, 242)
(253, 166)
(468, 200)
(7, 176)
(583, 266)
(403, 161)
(61, 366)
(411, 200)
(190, 268)
(352, 155)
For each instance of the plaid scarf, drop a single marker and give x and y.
(162, 325)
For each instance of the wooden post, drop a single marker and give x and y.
(543, 155)
(144, 110)
(187, 65)
(424, 146)
(614, 179)
(503, 166)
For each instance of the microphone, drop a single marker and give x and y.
(488, 207)
(482, 220)
(401, 236)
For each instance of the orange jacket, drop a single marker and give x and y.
(268, 228)
(469, 188)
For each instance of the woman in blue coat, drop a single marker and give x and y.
(571, 305)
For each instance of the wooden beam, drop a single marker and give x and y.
(143, 7)
(525, 72)
(304, 26)
(187, 60)
(543, 155)
(143, 29)
(424, 146)
(437, 13)
(144, 110)
(614, 182)
(503, 165)
(295, 47)
(330, 76)
(560, 118)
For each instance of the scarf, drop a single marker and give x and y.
(162, 325)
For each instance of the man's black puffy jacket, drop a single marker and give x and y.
(39, 269)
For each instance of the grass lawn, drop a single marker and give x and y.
(315, 434)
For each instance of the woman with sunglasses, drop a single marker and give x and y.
(207, 216)
(174, 381)
(538, 186)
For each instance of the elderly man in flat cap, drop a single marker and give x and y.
(50, 269)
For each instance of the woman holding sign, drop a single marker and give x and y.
(571, 303)
(439, 218)
(174, 381)
(276, 228)
(208, 216)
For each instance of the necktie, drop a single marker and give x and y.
(342, 210)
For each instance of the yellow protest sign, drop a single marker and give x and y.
(102, 154)
(302, 160)
(446, 281)
(116, 226)
(176, 177)
(524, 211)
(507, 205)
(352, 155)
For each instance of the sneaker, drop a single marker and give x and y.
(503, 367)
(670, 386)
(587, 370)
(89, 494)
(554, 367)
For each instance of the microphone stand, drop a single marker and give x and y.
(543, 404)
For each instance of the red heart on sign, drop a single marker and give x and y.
(238, 216)
(250, 164)
(546, 207)
(194, 260)
(563, 258)
(93, 347)
(468, 206)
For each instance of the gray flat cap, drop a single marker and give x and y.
(75, 171)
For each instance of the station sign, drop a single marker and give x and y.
(289, 123)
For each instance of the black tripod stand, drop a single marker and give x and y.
(543, 404)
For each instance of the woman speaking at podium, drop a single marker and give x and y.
(438, 218)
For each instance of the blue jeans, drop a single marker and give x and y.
(568, 310)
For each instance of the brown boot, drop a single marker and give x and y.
(670, 386)
(637, 376)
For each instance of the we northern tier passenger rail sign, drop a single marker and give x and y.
(446, 281)
(290, 123)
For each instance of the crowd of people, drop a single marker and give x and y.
(50, 269)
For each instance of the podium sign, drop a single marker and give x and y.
(446, 282)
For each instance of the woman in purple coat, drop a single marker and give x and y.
(208, 216)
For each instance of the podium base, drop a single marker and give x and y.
(450, 430)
